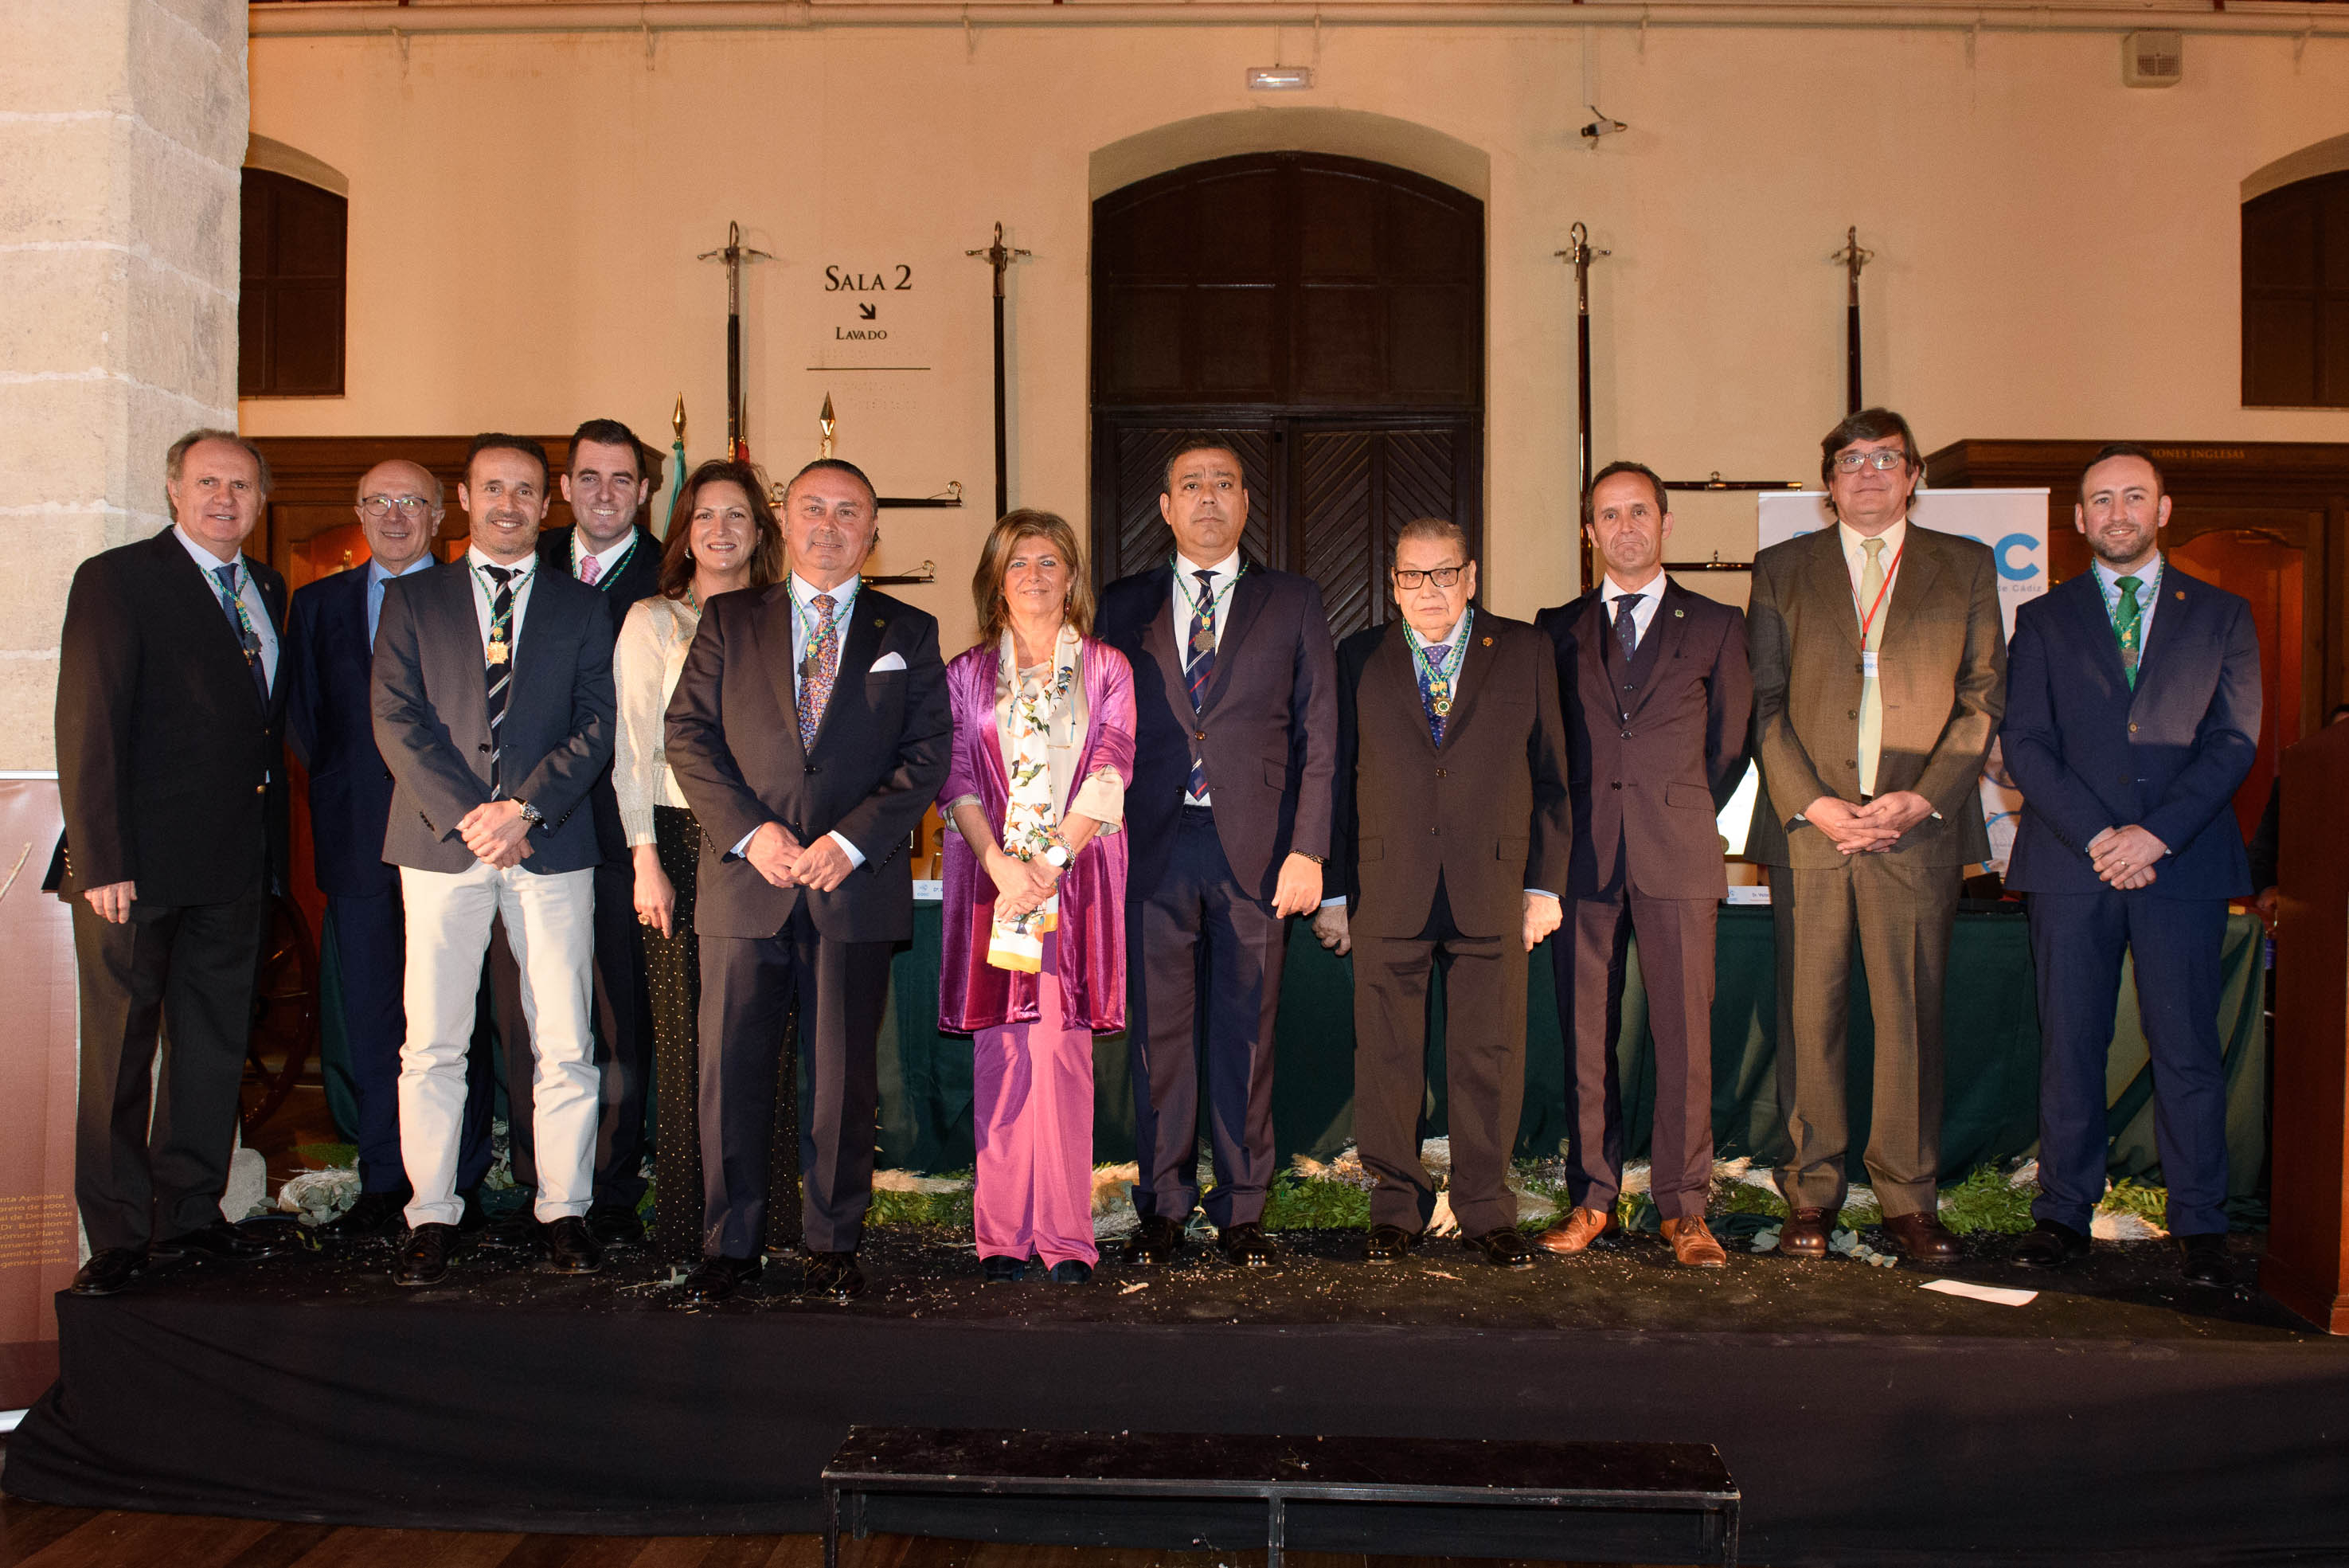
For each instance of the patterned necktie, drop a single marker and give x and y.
(1871, 697)
(247, 638)
(1627, 630)
(499, 670)
(1432, 660)
(2126, 621)
(816, 672)
(590, 568)
(1201, 668)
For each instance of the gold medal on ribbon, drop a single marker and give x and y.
(497, 650)
(1439, 694)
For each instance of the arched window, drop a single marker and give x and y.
(2296, 295)
(289, 321)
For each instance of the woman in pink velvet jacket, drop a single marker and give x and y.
(1035, 889)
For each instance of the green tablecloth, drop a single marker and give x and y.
(1991, 1022)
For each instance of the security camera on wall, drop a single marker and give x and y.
(1601, 126)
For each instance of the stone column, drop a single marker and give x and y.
(122, 129)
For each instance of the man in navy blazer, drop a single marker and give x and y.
(2133, 713)
(1235, 756)
(330, 644)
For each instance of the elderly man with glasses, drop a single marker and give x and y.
(1451, 829)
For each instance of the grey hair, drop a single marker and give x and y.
(177, 457)
(1439, 530)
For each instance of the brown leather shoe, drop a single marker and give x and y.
(1577, 1230)
(1804, 1234)
(1693, 1244)
(1921, 1239)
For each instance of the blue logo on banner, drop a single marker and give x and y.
(2007, 567)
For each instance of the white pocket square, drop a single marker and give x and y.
(887, 662)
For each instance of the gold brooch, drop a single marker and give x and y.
(1488, 642)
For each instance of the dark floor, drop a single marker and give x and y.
(2125, 1292)
(35, 1536)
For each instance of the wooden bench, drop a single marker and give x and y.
(1072, 1468)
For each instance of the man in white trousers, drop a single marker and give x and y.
(493, 709)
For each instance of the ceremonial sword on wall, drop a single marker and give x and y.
(1580, 256)
(738, 444)
(1000, 257)
(1852, 259)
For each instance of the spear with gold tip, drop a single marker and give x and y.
(677, 486)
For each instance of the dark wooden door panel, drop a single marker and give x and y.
(1337, 535)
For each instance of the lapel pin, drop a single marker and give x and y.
(1680, 614)
(2181, 593)
(879, 622)
(1488, 642)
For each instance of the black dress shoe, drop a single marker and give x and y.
(1157, 1241)
(617, 1224)
(1072, 1272)
(2205, 1261)
(571, 1246)
(1247, 1245)
(1388, 1244)
(476, 1219)
(715, 1279)
(1003, 1271)
(1506, 1248)
(833, 1275)
(2051, 1245)
(109, 1271)
(424, 1257)
(224, 1241)
(373, 1217)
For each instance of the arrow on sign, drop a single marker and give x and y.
(867, 312)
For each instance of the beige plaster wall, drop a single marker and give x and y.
(2056, 253)
(121, 126)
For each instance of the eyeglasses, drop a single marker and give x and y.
(381, 506)
(1883, 460)
(1442, 576)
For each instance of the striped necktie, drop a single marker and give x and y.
(1202, 666)
(247, 638)
(498, 671)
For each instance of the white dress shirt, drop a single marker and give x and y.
(484, 599)
(803, 625)
(1225, 575)
(1643, 608)
(248, 593)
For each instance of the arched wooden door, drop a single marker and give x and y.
(1325, 316)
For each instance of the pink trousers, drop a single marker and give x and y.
(1033, 1112)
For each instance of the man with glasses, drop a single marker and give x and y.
(606, 487)
(330, 649)
(1236, 749)
(1657, 697)
(494, 710)
(1451, 831)
(171, 774)
(1880, 674)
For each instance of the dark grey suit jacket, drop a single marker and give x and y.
(1646, 787)
(1943, 677)
(1267, 729)
(1485, 814)
(880, 754)
(431, 717)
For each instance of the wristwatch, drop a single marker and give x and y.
(1056, 853)
(530, 814)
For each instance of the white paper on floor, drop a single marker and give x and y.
(1998, 1295)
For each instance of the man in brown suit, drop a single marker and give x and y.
(1657, 699)
(1451, 833)
(1879, 675)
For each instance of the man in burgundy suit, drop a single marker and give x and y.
(1235, 747)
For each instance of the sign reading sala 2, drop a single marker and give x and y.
(889, 279)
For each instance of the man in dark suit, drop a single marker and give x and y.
(1235, 751)
(606, 488)
(171, 771)
(2132, 716)
(1657, 699)
(494, 709)
(1879, 672)
(330, 729)
(1453, 831)
(809, 731)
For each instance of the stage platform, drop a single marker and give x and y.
(2121, 1417)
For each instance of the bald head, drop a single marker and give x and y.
(400, 506)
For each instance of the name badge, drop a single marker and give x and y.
(1867, 665)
